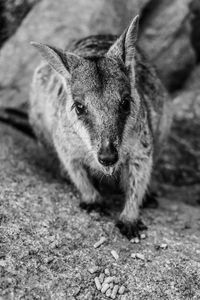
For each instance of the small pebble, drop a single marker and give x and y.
(121, 289)
(100, 242)
(101, 277)
(105, 287)
(114, 291)
(163, 246)
(97, 283)
(107, 272)
(93, 270)
(108, 292)
(114, 254)
(143, 236)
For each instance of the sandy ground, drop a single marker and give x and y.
(47, 241)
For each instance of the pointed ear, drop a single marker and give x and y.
(61, 62)
(124, 47)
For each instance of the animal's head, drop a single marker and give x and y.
(102, 98)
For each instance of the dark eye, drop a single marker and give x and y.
(79, 108)
(125, 105)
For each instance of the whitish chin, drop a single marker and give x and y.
(109, 170)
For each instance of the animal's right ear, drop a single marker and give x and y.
(62, 62)
(124, 47)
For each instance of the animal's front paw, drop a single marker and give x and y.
(131, 229)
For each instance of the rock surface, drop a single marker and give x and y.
(12, 12)
(180, 163)
(165, 37)
(47, 241)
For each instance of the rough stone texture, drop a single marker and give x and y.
(47, 241)
(195, 21)
(57, 24)
(180, 163)
(12, 13)
(165, 37)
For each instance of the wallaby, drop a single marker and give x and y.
(102, 109)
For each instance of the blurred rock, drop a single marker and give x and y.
(180, 163)
(193, 82)
(165, 38)
(195, 23)
(12, 12)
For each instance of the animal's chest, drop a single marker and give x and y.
(107, 185)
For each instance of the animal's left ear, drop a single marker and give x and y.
(124, 47)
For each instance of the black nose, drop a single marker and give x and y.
(108, 155)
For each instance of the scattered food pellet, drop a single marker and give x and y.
(108, 292)
(116, 280)
(100, 242)
(163, 246)
(121, 289)
(109, 279)
(114, 254)
(98, 284)
(143, 236)
(133, 255)
(101, 277)
(111, 285)
(135, 240)
(2, 263)
(107, 272)
(140, 256)
(93, 270)
(114, 291)
(105, 287)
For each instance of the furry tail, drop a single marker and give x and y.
(17, 119)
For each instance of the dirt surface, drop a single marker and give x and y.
(47, 241)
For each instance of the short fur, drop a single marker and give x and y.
(99, 72)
